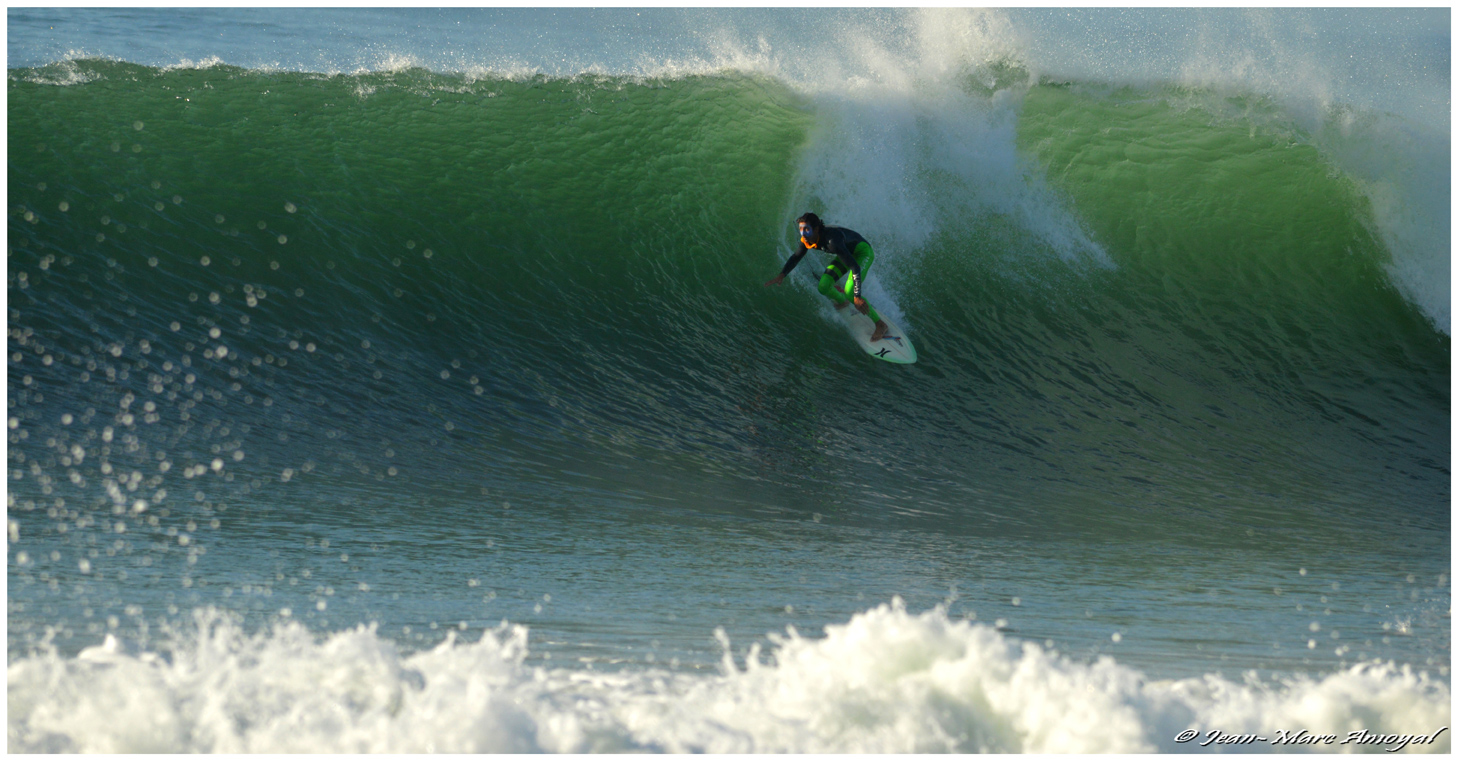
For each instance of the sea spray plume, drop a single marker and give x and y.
(1393, 150)
(916, 119)
(916, 138)
(1401, 169)
(1330, 73)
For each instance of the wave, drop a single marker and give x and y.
(1209, 310)
(1390, 142)
(887, 681)
(1133, 279)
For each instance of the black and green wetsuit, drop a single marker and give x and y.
(853, 254)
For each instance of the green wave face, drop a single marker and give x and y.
(461, 280)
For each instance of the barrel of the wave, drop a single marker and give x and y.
(853, 257)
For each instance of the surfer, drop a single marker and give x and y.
(852, 254)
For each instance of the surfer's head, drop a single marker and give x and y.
(809, 228)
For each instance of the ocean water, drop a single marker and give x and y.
(402, 380)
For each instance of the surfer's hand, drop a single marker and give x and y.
(862, 306)
(776, 280)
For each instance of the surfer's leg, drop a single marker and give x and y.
(827, 286)
(865, 257)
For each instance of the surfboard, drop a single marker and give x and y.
(895, 347)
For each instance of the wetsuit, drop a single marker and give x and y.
(852, 253)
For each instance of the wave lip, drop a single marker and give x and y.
(887, 681)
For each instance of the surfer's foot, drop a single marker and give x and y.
(880, 331)
(839, 305)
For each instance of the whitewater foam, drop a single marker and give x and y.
(63, 73)
(887, 681)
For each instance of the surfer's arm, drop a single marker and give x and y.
(794, 259)
(790, 264)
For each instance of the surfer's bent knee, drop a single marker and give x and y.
(828, 289)
(864, 256)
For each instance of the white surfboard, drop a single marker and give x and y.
(895, 347)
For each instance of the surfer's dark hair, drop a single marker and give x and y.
(809, 218)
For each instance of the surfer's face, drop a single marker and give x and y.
(807, 234)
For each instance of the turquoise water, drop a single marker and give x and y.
(361, 361)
